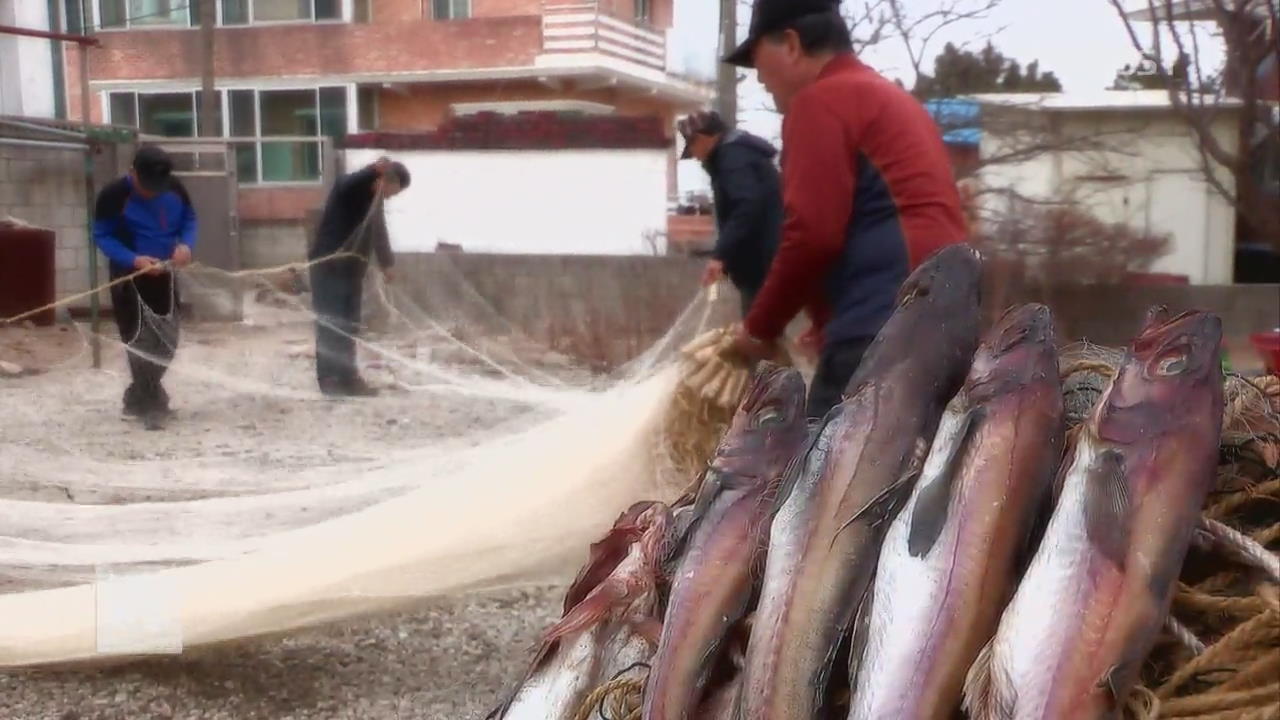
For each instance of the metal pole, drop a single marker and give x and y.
(208, 96)
(90, 196)
(727, 75)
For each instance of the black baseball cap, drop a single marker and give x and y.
(707, 122)
(769, 16)
(153, 168)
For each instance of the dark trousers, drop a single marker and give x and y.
(836, 365)
(336, 291)
(135, 305)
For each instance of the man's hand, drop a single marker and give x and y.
(148, 263)
(389, 275)
(752, 348)
(810, 341)
(712, 273)
(381, 164)
(181, 255)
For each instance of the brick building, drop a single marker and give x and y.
(328, 68)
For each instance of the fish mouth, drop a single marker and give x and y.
(950, 266)
(1022, 325)
(1185, 345)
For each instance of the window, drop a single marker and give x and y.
(644, 10)
(260, 11)
(259, 114)
(235, 12)
(167, 114)
(450, 9)
(367, 108)
(123, 14)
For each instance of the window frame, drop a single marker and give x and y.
(193, 21)
(345, 15)
(429, 10)
(350, 107)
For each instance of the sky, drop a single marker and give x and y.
(1082, 41)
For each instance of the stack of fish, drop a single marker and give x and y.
(934, 546)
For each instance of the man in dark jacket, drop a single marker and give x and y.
(867, 188)
(748, 200)
(353, 222)
(144, 222)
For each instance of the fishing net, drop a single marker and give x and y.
(492, 459)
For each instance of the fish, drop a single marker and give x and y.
(950, 559)
(612, 625)
(1071, 642)
(825, 536)
(720, 565)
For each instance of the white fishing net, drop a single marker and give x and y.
(489, 459)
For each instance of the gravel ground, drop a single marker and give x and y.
(246, 408)
(450, 659)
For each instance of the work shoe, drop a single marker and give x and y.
(154, 418)
(359, 388)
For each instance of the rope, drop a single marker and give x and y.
(622, 697)
(303, 265)
(1217, 702)
(1259, 631)
(1244, 547)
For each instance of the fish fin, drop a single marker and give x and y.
(1117, 681)
(981, 696)
(861, 626)
(604, 555)
(885, 505)
(588, 612)
(933, 504)
(1107, 506)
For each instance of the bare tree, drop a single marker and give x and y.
(1247, 31)
(914, 28)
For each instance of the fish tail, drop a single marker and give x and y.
(982, 697)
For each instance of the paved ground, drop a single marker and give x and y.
(248, 414)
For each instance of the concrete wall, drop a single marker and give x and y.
(609, 308)
(270, 244)
(45, 187)
(600, 202)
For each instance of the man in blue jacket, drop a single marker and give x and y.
(748, 200)
(144, 222)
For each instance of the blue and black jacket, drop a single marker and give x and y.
(126, 225)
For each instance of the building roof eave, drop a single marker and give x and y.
(683, 94)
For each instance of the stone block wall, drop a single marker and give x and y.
(45, 187)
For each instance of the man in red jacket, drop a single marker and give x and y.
(867, 186)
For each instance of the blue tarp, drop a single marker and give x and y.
(960, 120)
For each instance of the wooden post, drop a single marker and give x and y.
(727, 75)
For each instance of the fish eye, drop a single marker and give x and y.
(768, 415)
(1172, 365)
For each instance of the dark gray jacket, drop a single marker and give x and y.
(748, 198)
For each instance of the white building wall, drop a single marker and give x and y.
(26, 63)
(595, 202)
(1144, 170)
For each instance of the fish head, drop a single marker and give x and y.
(1018, 349)
(935, 324)
(1171, 366)
(767, 428)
